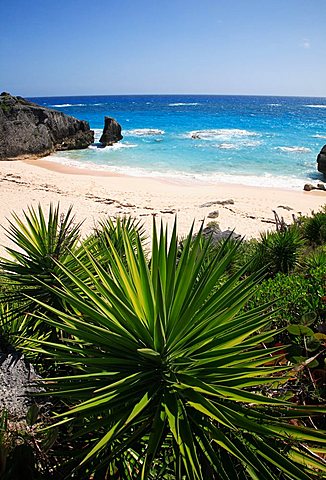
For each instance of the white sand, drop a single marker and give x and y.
(96, 194)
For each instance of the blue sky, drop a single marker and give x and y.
(75, 47)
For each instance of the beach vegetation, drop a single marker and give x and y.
(278, 251)
(314, 228)
(175, 360)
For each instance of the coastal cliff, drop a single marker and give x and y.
(29, 129)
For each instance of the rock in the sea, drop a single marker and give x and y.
(321, 161)
(111, 132)
(29, 129)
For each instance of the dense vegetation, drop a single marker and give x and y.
(175, 360)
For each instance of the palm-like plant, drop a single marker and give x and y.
(39, 243)
(110, 232)
(314, 228)
(278, 251)
(172, 370)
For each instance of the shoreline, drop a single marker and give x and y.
(44, 162)
(95, 194)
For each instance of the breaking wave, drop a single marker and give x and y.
(211, 178)
(238, 145)
(184, 104)
(115, 146)
(293, 149)
(219, 134)
(143, 132)
(315, 106)
(63, 105)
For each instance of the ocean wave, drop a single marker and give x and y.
(226, 146)
(184, 104)
(62, 105)
(238, 145)
(219, 133)
(210, 178)
(115, 146)
(315, 106)
(319, 136)
(293, 149)
(274, 104)
(143, 132)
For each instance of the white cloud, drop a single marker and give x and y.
(305, 43)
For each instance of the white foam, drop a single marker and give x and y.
(319, 136)
(143, 132)
(219, 134)
(274, 104)
(238, 145)
(315, 106)
(183, 104)
(293, 149)
(226, 146)
(212, 178)
(62, 105)
(115, 146)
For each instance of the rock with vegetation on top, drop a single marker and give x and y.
(29, 129)
(321, 160)
(111, 132)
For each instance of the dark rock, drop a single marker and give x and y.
(320, 186)
(213, 231)
(17, 384)
(213, 214)
(29, 129)
(285, 207)
(218, 202)
(321, 160)
(111, 132)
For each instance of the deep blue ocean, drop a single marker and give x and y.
(252, 140)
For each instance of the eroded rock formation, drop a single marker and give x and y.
(321, 160)
(111, 132)
(29, 129)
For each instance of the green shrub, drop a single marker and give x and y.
(315, 228)
(278, 251)
(171, 370)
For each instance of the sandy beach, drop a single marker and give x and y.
(95, 195)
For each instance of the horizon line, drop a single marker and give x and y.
(175, 94)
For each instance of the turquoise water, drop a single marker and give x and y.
(268, 141)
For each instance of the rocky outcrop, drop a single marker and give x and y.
(320, 186)
(321, 160)
(29, 129)
(213, 231)
(111, 132)
(18, 384)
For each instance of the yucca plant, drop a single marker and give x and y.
(109, 231)
(19, 331)
(314, 228)
(39, 241)
(278, 251)
(171, 375)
